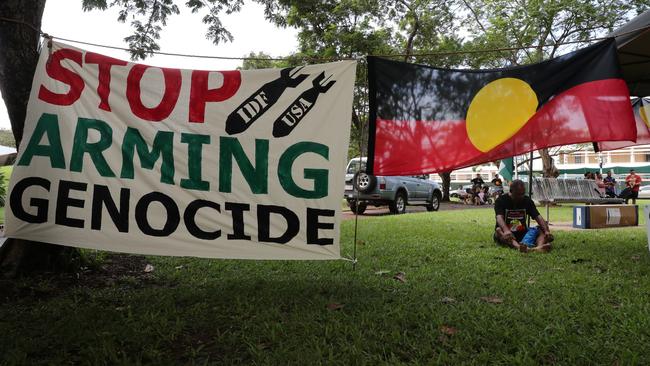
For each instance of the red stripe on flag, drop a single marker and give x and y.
(590, 112)
(642, 135)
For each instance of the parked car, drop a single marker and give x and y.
(493, 192)
(395, 191)
(461, 192)
(644, 192)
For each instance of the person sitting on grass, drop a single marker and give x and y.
(482, 196)
(511, 210)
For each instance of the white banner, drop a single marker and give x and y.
(222, 164)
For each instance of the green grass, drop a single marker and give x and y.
(6, 173)
(587, 302)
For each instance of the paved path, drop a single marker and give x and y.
(372, 211)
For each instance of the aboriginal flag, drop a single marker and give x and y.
(641, 108)
(426, 120)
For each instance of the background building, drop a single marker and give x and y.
(571, 161)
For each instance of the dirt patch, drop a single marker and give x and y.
(113, 270)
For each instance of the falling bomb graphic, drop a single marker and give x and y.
(297, 110)
(262, 100)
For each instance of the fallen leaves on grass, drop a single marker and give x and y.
(492, 299)
(531, 281)
(549, 359)
(448, 330)
(382, 272)
(447, 300)
(635, 257)
(335, 306)
(148, 268)
(615, 304)
(579, 260)
(400, 276)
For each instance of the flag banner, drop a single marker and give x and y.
(425, 120)
(133, 158)
(641, 107)
(507, 168)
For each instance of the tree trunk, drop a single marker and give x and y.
(19, 56)
(549, 169)
(18, 59)
(446, 183)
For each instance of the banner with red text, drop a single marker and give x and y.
(222, 164)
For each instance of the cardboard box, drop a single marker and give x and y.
(603, 216)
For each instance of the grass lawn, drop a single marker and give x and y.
(6, 174)
(463, 301)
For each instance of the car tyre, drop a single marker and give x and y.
(398, 206)
(434, 205)
(357, 209)
(364, 182)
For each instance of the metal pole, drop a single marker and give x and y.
(530, 175)
(514, 162)
(361, 140)
(530, 180)
(600, 161)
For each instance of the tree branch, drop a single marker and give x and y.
(476, 18)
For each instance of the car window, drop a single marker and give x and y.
(353, 167)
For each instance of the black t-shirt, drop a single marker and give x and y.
(477, 181)
(515, 213)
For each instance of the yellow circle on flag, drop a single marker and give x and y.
(643, 111)
(498, 111)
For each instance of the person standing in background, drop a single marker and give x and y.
(497, 181)
(478, 181)
(633, 181)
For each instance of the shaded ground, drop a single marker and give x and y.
(428, 289)
(112, 269)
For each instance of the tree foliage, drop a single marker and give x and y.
(7, 138)
(545, 25)
(148, 17)
(261, 60)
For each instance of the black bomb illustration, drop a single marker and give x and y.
(297, 110)
(262, 100)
